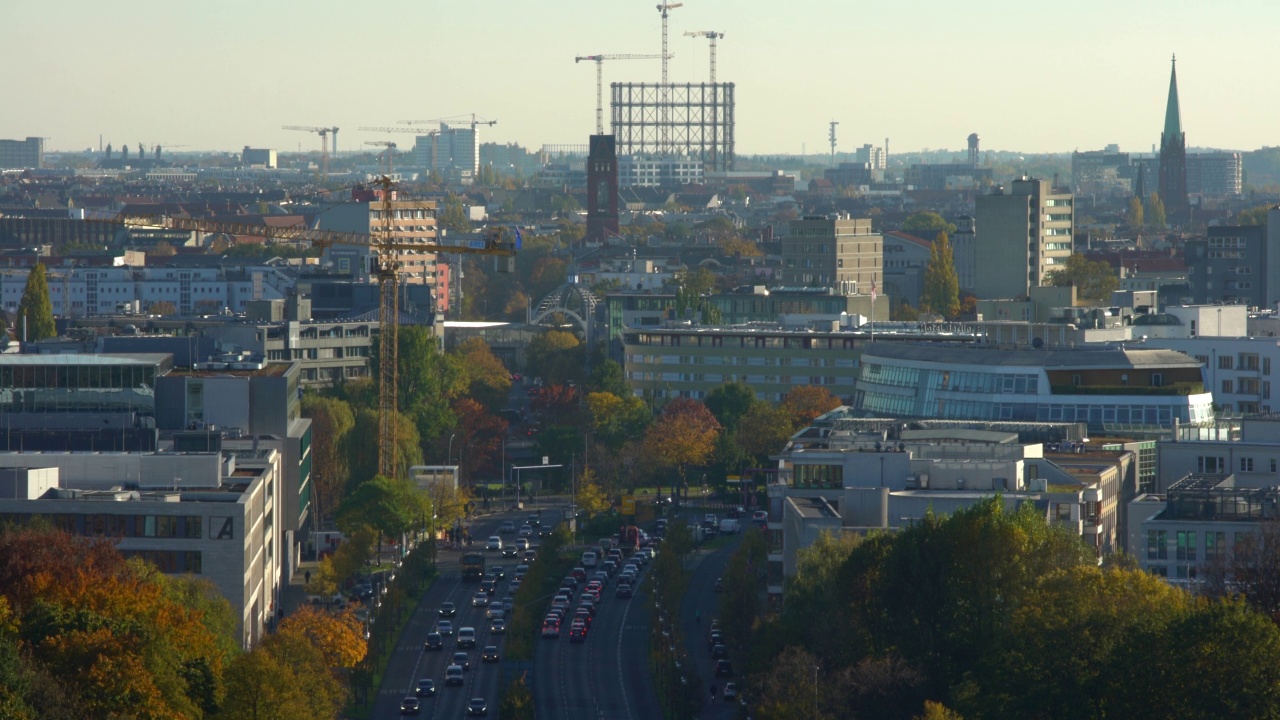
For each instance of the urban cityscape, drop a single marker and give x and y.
(644, 408)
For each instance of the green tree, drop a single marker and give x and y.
(1254, 215)
(453, 215)
(390, 507)
(488, 378)
(607, 376)
(926, 223)
(361, 447)
(331, 420)
(556, 357)
(1134, 217)
(1154, 212)
(1094, 280)
(764, 430)
(35, 311)
(730, 402)
(941, 284)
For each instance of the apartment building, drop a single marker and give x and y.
(834, 252)
(1023, 234)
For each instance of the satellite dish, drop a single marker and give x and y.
(1037, 343)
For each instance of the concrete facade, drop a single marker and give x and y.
(1023, 234)
(835, 252)
(1233, 266)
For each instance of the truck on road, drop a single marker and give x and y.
(472, 566)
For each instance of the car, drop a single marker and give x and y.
(507, 528)
(601, 577)
(495, 610)
(490, 654)
(715, 638)
(719, 652)
(522, 544)
(498, 572)
(515, 584)
(730, 691)
(544, 532)
(435, 641)
(466, 637)
(571, 581)
(550, 629)
(560, 601)
(448, 610)
(497, 626)
(719, 584)
(426, 688)
(578, 633)
(724, 668)
(589, 560)
(462, 660)
(489, 587)
(624, 591)
(494, 544)
(760, 517)
(508, 603)
(588, 605)
(521, 570)
(584, 615)
(480, 599)
(444, 627)
(409, 706)
(579, 573)
(526, 531)
(530, 555)
(453, 675)
(477, 707)
(609, 566)
(534, 520)
(628, 578)
(509, 551)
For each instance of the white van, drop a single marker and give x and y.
(590, 559)
(730, 525)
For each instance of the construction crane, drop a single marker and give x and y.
(323, 132)
(664, 91)
(473, 122)
(498, 242)
(711, 35)
(388, 153)
(599, 61)
(432, 133)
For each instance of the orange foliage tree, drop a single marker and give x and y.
(684, 434)
(806, 402)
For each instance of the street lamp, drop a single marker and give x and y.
(449, 461)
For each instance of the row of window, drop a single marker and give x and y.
(1184, 546)
(186, 527)
(890, 404)
(730, 377)
(1217, 464)
(747, 341)
(755, 361)
(173, 562)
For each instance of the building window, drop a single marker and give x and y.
(1186, 545)
(1210, 465)
(1246, 464)
(1157, 379)
(1157, 545)
(1226, 362)
(1227, 387)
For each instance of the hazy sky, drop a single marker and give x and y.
(1027, 76)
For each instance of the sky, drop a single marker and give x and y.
(1026, 76)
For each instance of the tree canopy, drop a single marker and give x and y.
(35, 310)
(1094, 279)
(941, 284)
(926, 224)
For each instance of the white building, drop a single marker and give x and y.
(1248, 448)
(212, 515)
(1237, 370)
(642, 171)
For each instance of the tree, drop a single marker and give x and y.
(481, 434)
(607, 376)
(517, 701)
(1250, 569)
(389, 507)
(1254, 216)
(938, 711)
(616, 419)
(331, 420)
(1155, 212)
(1094, 280)
(684, 434)
(730, 402)
(453, 215)
(926, 223)
(489, 379)
(764, 430)
(35, 311)
(590, 497)
(556, 357)
(338, 636)
(941, 284)
(1134, 217)
(361, 447)
(804, 403)
(163, 308)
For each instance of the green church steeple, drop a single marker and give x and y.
(1172, 115)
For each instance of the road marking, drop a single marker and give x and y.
(622, 678)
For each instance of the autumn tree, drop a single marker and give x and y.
(489, 379)
(1093, 279)
(35, 311)
(927, 223)
(941, 284)
(804, 403)
(764, 430)
(1134, 216)
(1154, 212)
(607, 376)
(684, 434)
(480, 434)
(331, 420)
(591, 498)
(614, 419)
(556, 357)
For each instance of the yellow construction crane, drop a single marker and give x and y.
(388, 153)
(599, 61)
(498, 242)
(711, 35)
(324, 133)
(431, 133)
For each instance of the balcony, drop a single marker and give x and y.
(1174, 389)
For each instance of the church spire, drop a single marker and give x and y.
(1172, 114)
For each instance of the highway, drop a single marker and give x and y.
(605, 678)
(411, 662)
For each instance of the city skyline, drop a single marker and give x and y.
(1100, 77)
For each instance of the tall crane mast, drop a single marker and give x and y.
(324, 133)
(388, 153)
(664, 91)
(831, 137)
(432, 133)
(498, 243)
(599, 61)
(712, 36)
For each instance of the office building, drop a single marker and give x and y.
(1173, 155)
(259, 157)
(1023, 234)
(1118, 389)
(22, 154)
(669, 171)
(1234, 265)
(412, 222)
(873, 157)
(211, 515)
(1215, 175)
(834, 251)
(1100, 172)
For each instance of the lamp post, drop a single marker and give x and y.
(815, 691)
(449, 460)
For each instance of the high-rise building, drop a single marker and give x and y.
(451, 149)
(1023, 234)
(22, 154)
(834, 251)
(1173, 155)
(872, 157)
(264, 157)
(602, 189)
(1215, 175)
(1235, 265)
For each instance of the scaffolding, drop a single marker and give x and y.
(693, 120)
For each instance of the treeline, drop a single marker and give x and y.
(88, 633)
(995, 614)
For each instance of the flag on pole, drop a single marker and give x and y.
(873, 288)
